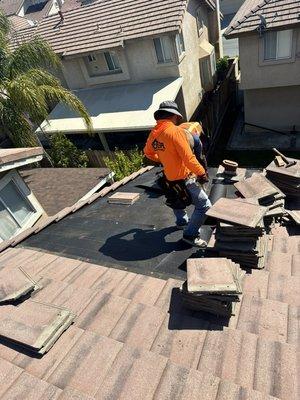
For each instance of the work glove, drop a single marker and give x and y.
(203, 179)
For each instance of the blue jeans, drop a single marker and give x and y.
(201, 203)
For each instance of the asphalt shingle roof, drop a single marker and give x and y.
(57, 188)
(278, 14)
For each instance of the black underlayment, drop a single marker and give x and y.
(141, 237)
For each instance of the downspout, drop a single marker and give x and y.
(220, 38)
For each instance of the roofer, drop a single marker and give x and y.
(183, 174)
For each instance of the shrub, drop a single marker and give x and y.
(125, 164)
(64, 153)
(222, 66)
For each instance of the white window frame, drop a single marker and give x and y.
(277, 33)
(180, 45)
(165, 60)
(200, 22)
(111, 55)
(210, 62)
(38, 211)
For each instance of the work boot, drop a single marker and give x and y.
(195, 241)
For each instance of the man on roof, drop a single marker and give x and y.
(183, 174)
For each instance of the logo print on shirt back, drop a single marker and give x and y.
(158, 146)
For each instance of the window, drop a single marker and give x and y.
(208, 70)
(15, 210)
(112, 61)
(200, 22)
(213, 64)
(100, 64)
(179, 44)
(278, 45)
(163, 49)
(205, 73)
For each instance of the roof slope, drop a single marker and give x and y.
(133, 336)
(57, 188)
(278, 14)
(107, 24)
(10, 7)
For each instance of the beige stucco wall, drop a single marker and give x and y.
(257, 74)
(276, 108)
(139, 63)
(189, 67)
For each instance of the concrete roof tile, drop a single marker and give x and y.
(107, 24)
(278, 13)
(44, 367)
(74, 394)
(266, 318)
(28, 387)
(8, 375)
(135, 375)
(144, 289)
(274, 376)
(85, 275)
(181, 338)
(138, 326)
(102, 313)
(86, 364)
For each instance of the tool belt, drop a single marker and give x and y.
(177, 195)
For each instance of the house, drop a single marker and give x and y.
(30, 195)
(123, 58)
(269, 47)
(25, 13)
(132, 338)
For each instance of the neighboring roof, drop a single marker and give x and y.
(133, 339)
(19, 23)
(108, 23)
(10, 7)
(16, 157)
(58, 188)
(278, 14)
(38, 11)
(119, 108)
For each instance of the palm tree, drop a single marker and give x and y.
(27, 88)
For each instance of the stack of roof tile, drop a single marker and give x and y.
(33, 326)
(213, 285)
(285, 178)
(241, 238)
(259, 188)
(16, 283)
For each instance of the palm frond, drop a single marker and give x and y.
(36, 53)
(4, 24)
(27, 98)
(69, 99)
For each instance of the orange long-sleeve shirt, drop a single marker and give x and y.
(167, 144)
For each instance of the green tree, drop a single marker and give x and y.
(64, 153)
(124, 164)
(27, 89)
